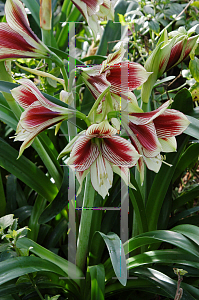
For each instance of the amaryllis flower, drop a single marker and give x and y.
(39, 113)
(100, 152)
(154, 132)
(16, 37)
(92, 10)
(166, 55)
(121, 76)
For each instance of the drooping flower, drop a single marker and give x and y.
(154, 132)
(121, 76)
(100, 152)
(39, 113)
(16, 37)
(166, 55)
(93, 10)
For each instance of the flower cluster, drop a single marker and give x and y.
(99, 149)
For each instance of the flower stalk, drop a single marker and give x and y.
(85, 224)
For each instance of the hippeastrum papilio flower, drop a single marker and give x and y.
(166, 55)
(121, 76)
(94, 10)
(16, 37)
(39, 113)
(154, 132)
(101, 152)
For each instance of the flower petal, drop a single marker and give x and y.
(119, 151)
(36, 114)
(112, 59)
(103, 129)
(126, 76)
(147, 137)
(124, 174)
(170, 123)
(83, 154)
(18, 21)
(168, 144)
(153, 163)
(95, 82)
(29, 88)
(147, 117)
(101, 175)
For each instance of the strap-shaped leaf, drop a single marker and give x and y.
(97, 282)
(117, 256)
(18, 266)
(68, 268)
(26, 171)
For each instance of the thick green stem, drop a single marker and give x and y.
(85, 224)
(46, 38)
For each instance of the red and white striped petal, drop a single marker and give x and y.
(145, 118)
(23, 96)
(112, 59)
(83, 154)
(18, 21)
(29, 134)
(103, 129)
(36, 114)
(101, 175)
(170, 123)
(119, 151)
(96, 83)
(168, 144)
(146, 136)
(126, 76)
(13, 45)
(29, 90)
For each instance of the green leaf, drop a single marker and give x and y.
(3, 199)
(171, 237)
(183, 101)
(165, 283)
(189, 157)
(18, 266)
(154, 26)
(26, 171)
(160, 186)
(60, 201)
(185, 197)
(97, 282)
(69, 268)
(33, 224)
(194, 68)
(171, 256)
(117, 256)
(193, 127)
(138, 205)
(23, 213)
(190, 231)
(56, 234)
(182, 215)
(158, 82)
(11, 192)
